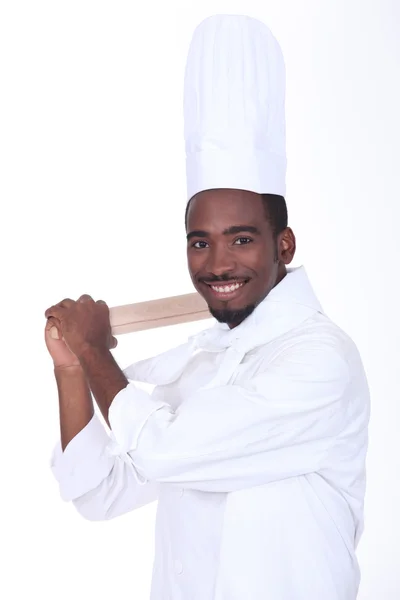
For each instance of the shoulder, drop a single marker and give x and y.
(317, 348)
(319, 333)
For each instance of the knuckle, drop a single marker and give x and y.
(65, 301)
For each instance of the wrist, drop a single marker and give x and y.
(89, 352)
(67, 368)
(68, 371)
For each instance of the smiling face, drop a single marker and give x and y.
(234, 259)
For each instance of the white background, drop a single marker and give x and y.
(92, 201)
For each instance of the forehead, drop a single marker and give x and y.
(219, 209)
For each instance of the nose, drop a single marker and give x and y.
(220, 260)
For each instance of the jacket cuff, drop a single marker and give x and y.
(85, 461)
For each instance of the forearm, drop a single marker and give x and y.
(103, 376)
(75, 402)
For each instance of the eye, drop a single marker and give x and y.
(200, 244)
(243, 240)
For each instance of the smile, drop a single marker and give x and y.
(226, 288)
(226, 291)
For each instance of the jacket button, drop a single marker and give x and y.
(178, 567)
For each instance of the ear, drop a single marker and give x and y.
(286, 246)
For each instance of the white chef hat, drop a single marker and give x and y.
(234, 107)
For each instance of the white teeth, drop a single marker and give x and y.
(227, 288)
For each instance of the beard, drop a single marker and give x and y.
(232, 317)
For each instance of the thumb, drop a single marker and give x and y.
(114, 343)
(53, 328)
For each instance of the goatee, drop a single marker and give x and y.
(232, 317)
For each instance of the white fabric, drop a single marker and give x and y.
(253, 332)
(234, 107)
(255, 451)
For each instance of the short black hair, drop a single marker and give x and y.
(275, 212)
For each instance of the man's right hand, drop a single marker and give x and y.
(58, 349)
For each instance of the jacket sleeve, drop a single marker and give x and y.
(281, 423)
(101, 482)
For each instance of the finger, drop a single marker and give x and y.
(85, 298)
(66, 303)
(53, 327)
(51, 322)
(114, 343)
(55, 311)
(102, 303)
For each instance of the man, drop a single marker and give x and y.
(254, 439)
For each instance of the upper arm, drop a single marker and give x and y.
(281, 423)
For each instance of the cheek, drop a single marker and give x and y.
(194, 262)
(260, 259)
(266, 268)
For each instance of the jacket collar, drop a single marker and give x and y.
(286, 306)
(289, 304)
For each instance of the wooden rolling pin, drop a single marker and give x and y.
(155, 313)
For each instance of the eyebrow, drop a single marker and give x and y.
(229, 231)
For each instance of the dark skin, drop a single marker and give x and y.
(83, 363)
(230, 241)
(233, 244)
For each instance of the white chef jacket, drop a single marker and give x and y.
(253, 442)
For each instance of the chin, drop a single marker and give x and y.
(232, 316)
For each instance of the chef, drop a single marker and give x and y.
(254, 439)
